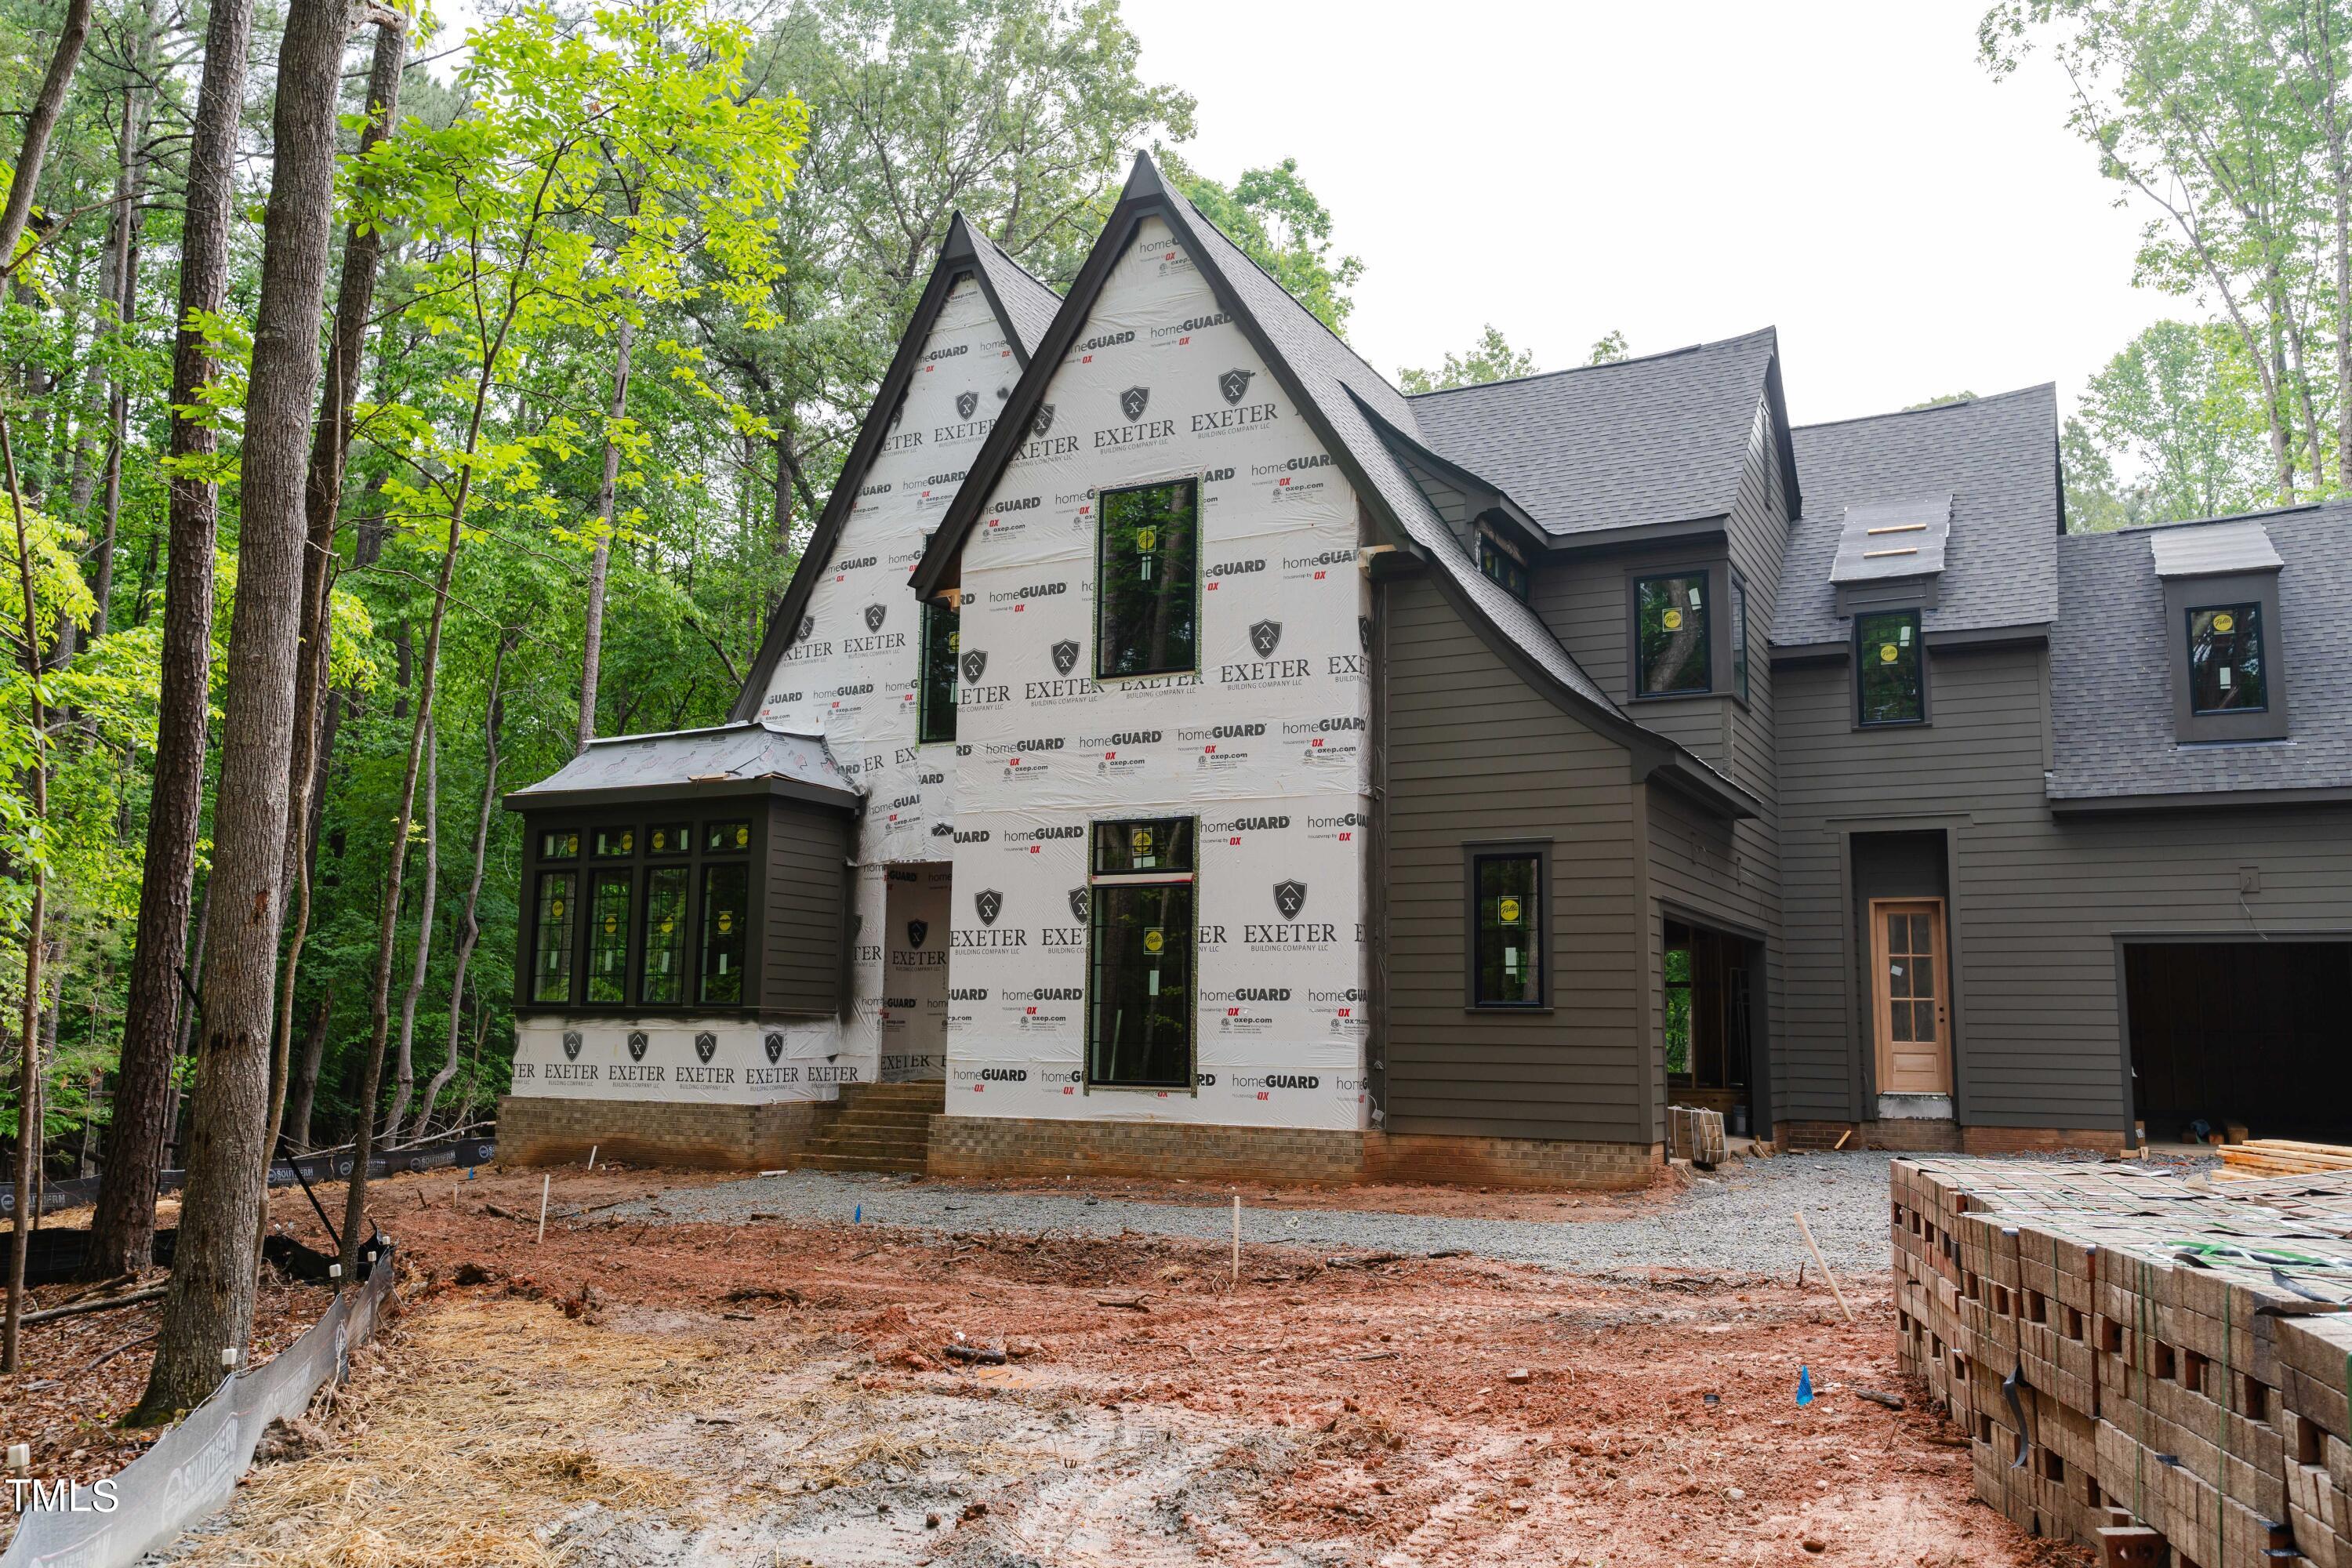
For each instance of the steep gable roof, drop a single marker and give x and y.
(1023, 307)
(1659, 440)
(1342, 398)
(1998, 457)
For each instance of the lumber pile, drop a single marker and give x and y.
(2283, 1157)
(2139, 1363)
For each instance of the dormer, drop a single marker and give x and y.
(2225, 641)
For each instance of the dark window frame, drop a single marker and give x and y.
(683, 978)
(1742, 633)
(2220, 591)
(2235, 609)
(1717, 569)
(926, 716)
(541, 875)
(1919, 650)
(746, 953)
(1540, 851)
(698, 817)
(628, 874)
(1501, 567)
(1097, 882)
(1103, 648)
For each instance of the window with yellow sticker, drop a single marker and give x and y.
(725, 919)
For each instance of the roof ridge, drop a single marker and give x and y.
(2289, 510)
(1944, 405)
(1605, 364)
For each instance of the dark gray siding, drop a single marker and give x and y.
(806, 910)
(1728, 874)
(1474, 754)
(2038, 902)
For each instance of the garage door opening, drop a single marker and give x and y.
(2248, 1032)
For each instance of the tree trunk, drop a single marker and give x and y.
(210, 1305)
(592, 640)
(123, 1230)
(305, 1086)
(38, 123)
(28, 1067)
(322, 500)
(469, 931)
(124, 303)
(404, 1076)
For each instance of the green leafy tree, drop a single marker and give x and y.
(1282, 227)
(1608, 348)
(1490, 358)
(2171, 429)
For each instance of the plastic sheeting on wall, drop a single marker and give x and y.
(1263, 744)
(715, 1061)
(912, 1021)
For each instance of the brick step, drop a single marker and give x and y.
(854, 1145)
(930, 1090)
(885, 1116)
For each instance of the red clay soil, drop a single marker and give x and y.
(1407, 1412)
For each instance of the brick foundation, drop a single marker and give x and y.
(1926, 1137)
(2041, 1141)
(1000, 1146)
(533, 1130)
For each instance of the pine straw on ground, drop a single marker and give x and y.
(449, 1460)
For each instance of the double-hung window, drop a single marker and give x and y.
(1148, 579)
(1139, 953)
(1506, 919)
(1673, 651)
(1890, 680)
(935, 717)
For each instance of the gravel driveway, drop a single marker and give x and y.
(1737, 1222)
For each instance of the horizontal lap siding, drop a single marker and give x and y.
(1472, 753)
(808, 854)
(2040, 900)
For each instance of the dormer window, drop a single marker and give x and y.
(1501, 566)
(1673, 652)
(1889, 669)
(2222, 616)
(2225, 659)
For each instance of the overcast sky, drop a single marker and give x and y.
(1846, 172)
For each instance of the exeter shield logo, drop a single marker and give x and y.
(1290, 897)
(915, 932)
(988, 904)
(571, 1045)
(1065, 656)
(705, 1045)
(637, 1042)
(1081, 901)
(1234, 383)
(965, 403)
(774, 1046)
(1364, 632)
(808, 626)
(1042, 420)
(1265, 636)
(1134, 401)
(898, 411)
(975, 663)
(875, 616)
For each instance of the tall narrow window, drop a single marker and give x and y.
(934, 718)
(1739, 636)
(1140, 957)
(551, 947)
(662, 975)
(724, 890)
(1670, 636)
(1889, 672)
(1506, 901)
(1147, 578)
(1501, 566)
(1676, 984)
(2225, 659)
(608, 936)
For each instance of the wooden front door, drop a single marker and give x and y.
(1911, 995)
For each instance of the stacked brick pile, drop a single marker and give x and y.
(2134, 1355)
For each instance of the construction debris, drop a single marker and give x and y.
(2128, 1352)
(2280, 1157)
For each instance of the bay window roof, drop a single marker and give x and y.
(749, 758)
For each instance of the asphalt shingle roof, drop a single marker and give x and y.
(1029, 302)
(1657, 440)
(2111, 681)
(1997, 455)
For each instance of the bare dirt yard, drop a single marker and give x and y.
(646, 1388)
